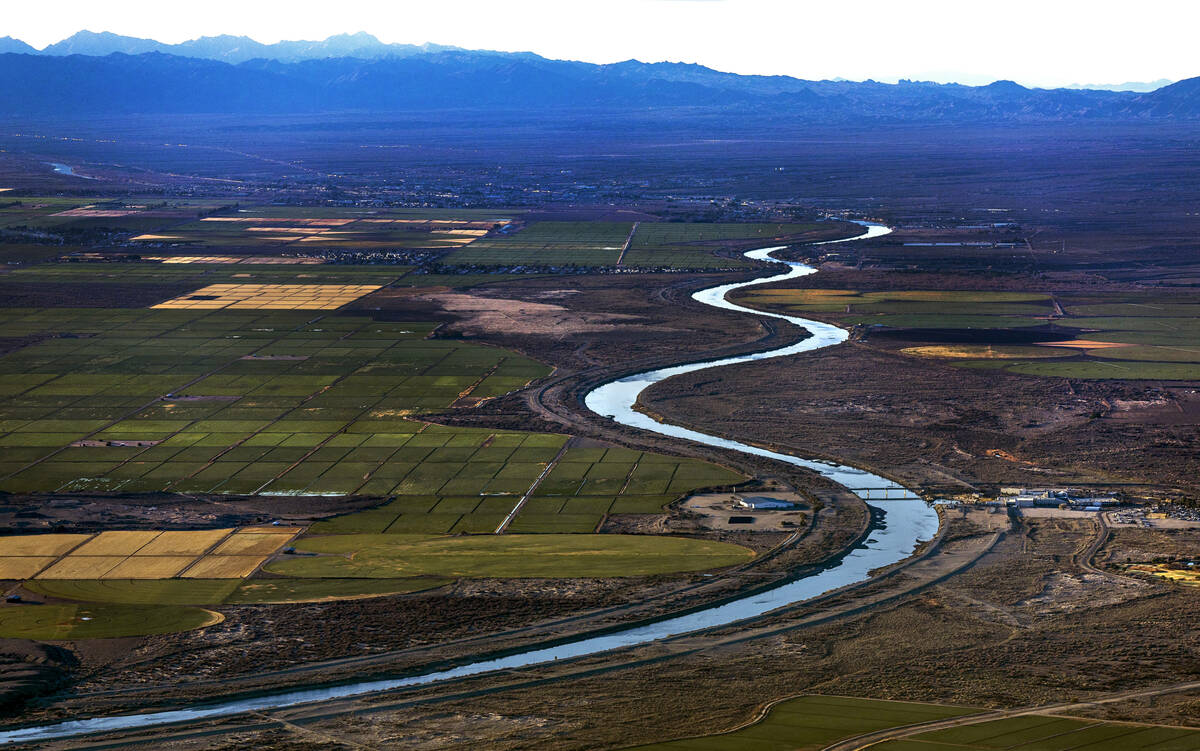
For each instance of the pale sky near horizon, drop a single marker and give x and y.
(1034, 42)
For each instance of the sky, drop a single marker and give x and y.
(1034, 42)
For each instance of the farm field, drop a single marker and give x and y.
(202, 274)
(446, 494)
(549, 244)
(142, 555)
(809, 723)
(225, 591)
(269, 297)
(332, 228)
(528, 556)
(1048, 733)
(101, 621)
(689, 245)
(203, 243)
(1131, 336)
(654, 245)
(203, 223)
(231, 401)
(56, 213)
(281, 403)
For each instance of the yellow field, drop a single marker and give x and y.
(224, 567)
(270, 296)
(184, 543)
(22, 567)
(116, 543)
(270, 530)
(308, 223)
(1177, 575)
(82, 567)
(985, 352)
(39, 545)
(142, 554)
(148, 567)
(255, 260)
(252, 544)
(192, 259)
(460, 232)
(1087, 344)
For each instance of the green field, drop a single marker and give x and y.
(233, 401)
(654, 245)
(689, 244)
(1045, 733)
(224, 591)
(201, 274)
(549, 244)
(173, 277)
(1159, 332)
(524, 556)
(103, 621)
(809, 723)
(282, 403)
(53, 213)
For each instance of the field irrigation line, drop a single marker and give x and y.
(628, 242)
(534, 486)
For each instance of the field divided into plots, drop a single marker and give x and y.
(654, 245)
(179, 243)
(142, 554)
(243, 402)
(281, 403)
(550, 244)
(689, 245)
(467, 489)
(326, 227)
(1151, 335)
(55, 213)
(203, 274)
(270, 297)
(199, 223)
(285, 403)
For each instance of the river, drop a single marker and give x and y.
(66, 169)
(900, 522)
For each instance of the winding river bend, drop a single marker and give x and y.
(901, 521)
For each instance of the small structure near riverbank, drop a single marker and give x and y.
(762, 502)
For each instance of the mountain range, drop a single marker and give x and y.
(226, 48)
(91, 74)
